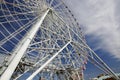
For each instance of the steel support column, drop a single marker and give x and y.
(12, 66)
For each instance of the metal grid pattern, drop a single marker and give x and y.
(58, 28)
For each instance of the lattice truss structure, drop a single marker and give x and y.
(41, 40)
(58, 38)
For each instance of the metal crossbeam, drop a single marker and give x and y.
(9, 71)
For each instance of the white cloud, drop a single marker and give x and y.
(101, 19)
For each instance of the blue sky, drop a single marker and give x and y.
(99, 20)
(113, 63)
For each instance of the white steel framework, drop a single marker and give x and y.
(41, 39)
(9, 71)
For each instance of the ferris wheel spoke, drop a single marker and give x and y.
(17, 14)
(18, 31)
(57, 29)
(16, 5)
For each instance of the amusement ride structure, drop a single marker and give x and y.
(42, 40)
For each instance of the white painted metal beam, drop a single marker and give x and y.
(12, 66)
(47, 62)
(93, 53)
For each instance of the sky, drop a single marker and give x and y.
(99, 20)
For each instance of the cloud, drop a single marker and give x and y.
(101, 19)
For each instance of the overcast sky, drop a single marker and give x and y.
(100, 19)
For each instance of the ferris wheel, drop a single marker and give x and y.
(41, 40)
